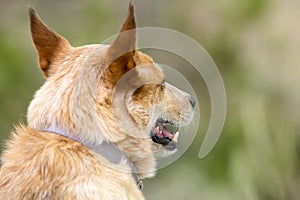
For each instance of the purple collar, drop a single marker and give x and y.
(107, 149)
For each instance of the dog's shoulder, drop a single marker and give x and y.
(43, 157)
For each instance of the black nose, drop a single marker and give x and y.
(193, 101)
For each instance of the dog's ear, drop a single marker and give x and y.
(123, 48)
(50, 45)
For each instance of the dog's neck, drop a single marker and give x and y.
(106, 149)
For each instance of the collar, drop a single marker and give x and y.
(106, 149)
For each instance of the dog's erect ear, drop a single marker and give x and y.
(124, 46)
(50, 45)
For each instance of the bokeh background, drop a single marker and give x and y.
(256, 46)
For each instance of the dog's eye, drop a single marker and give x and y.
(162, 86)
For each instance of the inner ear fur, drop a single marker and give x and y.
(123, 49)
(50, 45)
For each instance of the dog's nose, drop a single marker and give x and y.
(193, 101)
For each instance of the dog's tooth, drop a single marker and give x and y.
(157, 128)
(175, 139)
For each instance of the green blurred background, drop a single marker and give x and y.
(255, 44)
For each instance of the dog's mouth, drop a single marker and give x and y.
(165, 133)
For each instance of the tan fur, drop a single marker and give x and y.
(41, 165)
(77, 98)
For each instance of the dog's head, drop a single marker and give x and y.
(81, 82)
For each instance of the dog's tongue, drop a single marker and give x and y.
(165, 133)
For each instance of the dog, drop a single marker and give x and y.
(76, 144)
